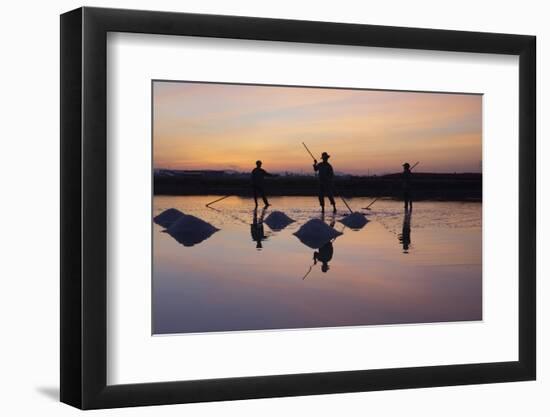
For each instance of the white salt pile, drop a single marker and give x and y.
(168, 217)
(190, 230)
(315, 233)
(354, 221)
(278, 221)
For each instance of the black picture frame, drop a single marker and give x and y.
(84, 207)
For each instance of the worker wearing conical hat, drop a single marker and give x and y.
(326, 181)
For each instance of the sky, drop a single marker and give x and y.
(230, 126)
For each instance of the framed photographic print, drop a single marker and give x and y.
(258, 207)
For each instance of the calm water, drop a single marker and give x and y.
(397, 269)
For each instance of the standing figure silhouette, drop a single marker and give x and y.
(406, 177)
(326, 181)
(258, 186)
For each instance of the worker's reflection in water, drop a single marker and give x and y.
(405, 236)
(324, 253)
(257, 227)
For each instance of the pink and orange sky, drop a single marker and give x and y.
(229, 127)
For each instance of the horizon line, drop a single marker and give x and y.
(336, 173)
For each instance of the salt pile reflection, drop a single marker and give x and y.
(354, 221)
(168, 217)
(315, 233)
(185, 228)
(278, 220)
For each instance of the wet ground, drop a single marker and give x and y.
(401, 267)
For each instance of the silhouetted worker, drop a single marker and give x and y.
(406, 180)
(326, 181)
(258, 175)
(257, 228)
(405, 236)
(324, 255)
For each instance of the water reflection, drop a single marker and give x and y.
(228, 215)
(278, 221)
(257, 227)
(189, 230)
(315, 232)
(332, 219)
(355, 221)
(324, 255)
(405, 236)
(225, 284)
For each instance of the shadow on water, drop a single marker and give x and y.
(257, 228)
(405, 236)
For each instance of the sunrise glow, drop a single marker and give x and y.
(228, 127)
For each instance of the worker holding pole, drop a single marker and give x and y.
(406, 178)
(326, 181)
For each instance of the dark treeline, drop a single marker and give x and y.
(426, 186)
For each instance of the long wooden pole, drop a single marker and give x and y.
(308, 151)
(307, 273)
(344, 201)
(219, 199)
(373, 201)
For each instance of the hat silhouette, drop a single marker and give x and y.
(325, 155)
